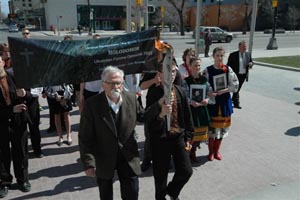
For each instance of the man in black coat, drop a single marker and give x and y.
(240, 61)
(13, 137)
(106, 137)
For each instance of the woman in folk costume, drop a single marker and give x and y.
(198, 105)
(223, 81)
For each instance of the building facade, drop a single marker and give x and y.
(28, 12)
(98, 14)
(228, 14)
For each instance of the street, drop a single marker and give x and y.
(261, 155)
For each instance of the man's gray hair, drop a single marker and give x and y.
(111, 70)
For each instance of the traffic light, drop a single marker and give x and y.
(139, 2)
(162, 10)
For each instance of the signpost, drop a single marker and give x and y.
(272, 43)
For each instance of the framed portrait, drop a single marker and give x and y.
(220, 82)
(197, 92)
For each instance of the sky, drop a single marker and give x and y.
(4, 6)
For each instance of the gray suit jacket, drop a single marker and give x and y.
(99, 138)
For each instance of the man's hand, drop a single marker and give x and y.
(91, 172)
(157, 79)
(21, 92)
(250, 64)
(19, 108)
(188, 145)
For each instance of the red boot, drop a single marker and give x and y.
(218, 156)
(211, 148)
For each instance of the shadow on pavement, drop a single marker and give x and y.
(57, 171)
(64, 149)
(67, 185)
(297, 88)
(75, 127)
(293, 131)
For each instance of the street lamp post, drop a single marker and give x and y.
(246, 17)
(89, 11)
(272, 42)
(219, 11)
(58, 24)
(40, 23)
(92, 20)
(128, 16)
(197, 28)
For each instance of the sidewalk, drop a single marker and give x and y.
(260, 160)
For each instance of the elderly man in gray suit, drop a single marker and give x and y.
(240, 61)
(106, 137)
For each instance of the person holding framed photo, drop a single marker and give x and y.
(198, 89)
(223, 81)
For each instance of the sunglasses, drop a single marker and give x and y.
(26, 33)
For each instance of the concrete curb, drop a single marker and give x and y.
(277, 66)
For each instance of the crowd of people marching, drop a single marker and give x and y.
(199, 111)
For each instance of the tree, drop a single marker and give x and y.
(265, 15)
(179, 6)
(293, 17)
(230, 14)
(170, 17)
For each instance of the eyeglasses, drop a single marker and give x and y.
(113, 83)
(26, 33)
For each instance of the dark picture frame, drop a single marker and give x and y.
(197, 92)
(220, 82)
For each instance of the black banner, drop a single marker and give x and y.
(49, 63)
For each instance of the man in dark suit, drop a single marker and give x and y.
(106, 137)
(240, 61)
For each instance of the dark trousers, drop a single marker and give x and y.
(34, 114)
(147, 146)
(236, 95)
(161, 156)
(128, 180)
(14, 147)
(206, 50)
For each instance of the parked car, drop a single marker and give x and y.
(13, 28)
(216, 33)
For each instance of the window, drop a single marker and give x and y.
(29, 5)
(211, 1)
(24, 4)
